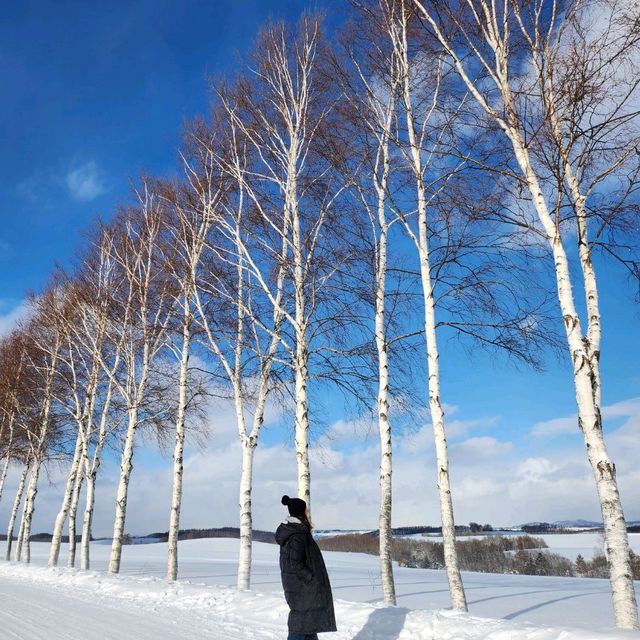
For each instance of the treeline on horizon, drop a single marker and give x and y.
(429, 172)
(525, 555)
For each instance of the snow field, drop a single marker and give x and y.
(141, 605)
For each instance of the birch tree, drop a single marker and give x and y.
(190, 211)
(370, 81)
(285, 107)
(16, 506)
(239, 336)
(15, 447)
(497, 41)
(76, 395)
(12, 363)
(137, 324)
(97, 282)
(420, 112)
(46, 332)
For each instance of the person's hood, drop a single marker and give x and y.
(289, 528)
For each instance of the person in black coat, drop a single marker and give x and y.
(305, 581)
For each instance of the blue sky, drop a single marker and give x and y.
(93, 93)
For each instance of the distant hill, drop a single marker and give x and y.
(633, 526)
(586, 524)
(197, 534)
(42, 537)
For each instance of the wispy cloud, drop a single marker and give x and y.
(556, 427)
(34, 189)
(492, 480)
(10, 314)
(569, 424)
(85, 182)
(6, 250)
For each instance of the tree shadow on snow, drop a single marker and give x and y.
(541, 605)
(383, 624)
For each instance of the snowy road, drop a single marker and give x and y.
(41, 604)
(38, 612)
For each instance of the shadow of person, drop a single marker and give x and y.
(383, 624)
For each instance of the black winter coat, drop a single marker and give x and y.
(305, 581)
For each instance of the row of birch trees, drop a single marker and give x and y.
(431, 170)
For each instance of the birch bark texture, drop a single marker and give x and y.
(381, 176)
(245, 343)
(178, 452)
(418, 159)
(277, 114)
(97, 297)
(61, 518)
(140, 332)
(16, 507)
(370, 82)
(47, 335)
(490, 42)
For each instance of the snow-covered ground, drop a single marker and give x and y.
(37, 603)
(586, 544)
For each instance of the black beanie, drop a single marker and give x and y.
(297, 507)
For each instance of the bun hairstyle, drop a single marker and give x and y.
(297, 508)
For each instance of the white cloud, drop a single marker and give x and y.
(624, 409)
(569, 424)
(6, 250)
(45, 187)
(536, 468)
(10, 315)
(492, 480)
(422, 439)
(476, 450)
(34, 187)
(555, 427)
(85, 182)
(459, 428)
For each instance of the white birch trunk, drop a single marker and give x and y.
(91, 473)
(87, 520)
(126, 467)
(54, 552)
(249, 444)
(3, 476)
(386, 565)
(178, 453)
(456, 587)
(587, 389)
(15, 509)
(73, 510)
(301, 362)
(20, 538)
(458, 597)
(302, 422)
(32, 490)
(384, 425)
(594, 330)
(585, 361)
(616, 537)
(30, 506)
